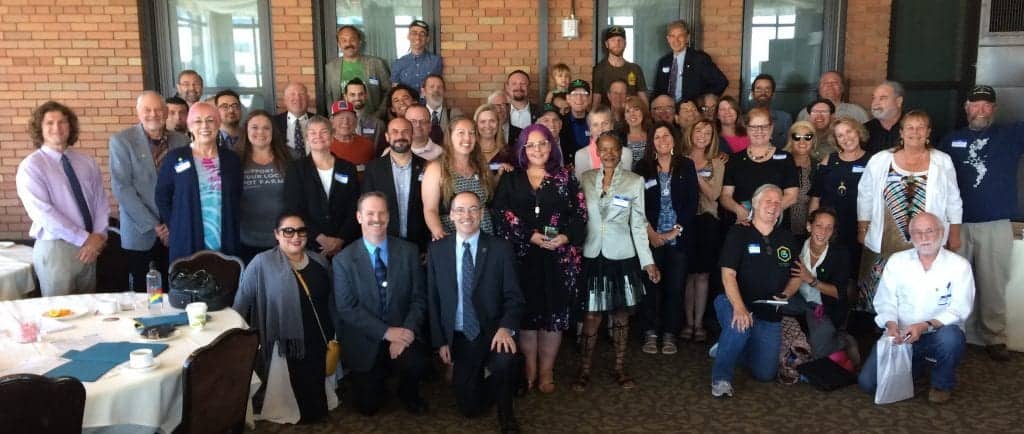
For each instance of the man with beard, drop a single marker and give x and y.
(440, 112)
(230, 108)
(663, 109)
(761, 93)
(830, 87)
(370, 126)
(177, 115)
(399, 175)
(292, 123)
(346, 144)
(985, 157)
(887, 109)
(423, 145)
(522, 112)
(923, 299)
(822, 112)
(373, 72)
(685, 72)
(189, 86)
(615, 67)
(413, 68)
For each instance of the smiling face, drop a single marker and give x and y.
(466, 213)
(349, 42)
(296, 99)
(318, 136)
(820, 116)
(463, 136)
(355, 94)
(259, 131)
(516, 86)
(688, 114)
(821, 230)
(663, 109)
(885, 105)
(56, 129)
(230, 110)
(344, 123)
(399, 135)
(980, 114)
(768, 207)
(677, 38)
(763, 92)
(617, 93)
(204, 123)
(538, 149)
(152, 112)
(801, 141)
(759, 129)
(552, 122)
(400, 101)
(847, 138)
(926, 233)
(373, 217)
(599, 123)
(700, 137)
(419, 118)
(418, 39)
(487, 125)
(190, 87)
(915, 131)
(634, 116)
(294, 243)
(433, 91)
(609, 151)
(830, 86)
(664, 143)
(727, 113)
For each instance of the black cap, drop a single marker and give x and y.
(614, 31)
(420, 23)
(982, 93)
(549, 107)
(579, 84)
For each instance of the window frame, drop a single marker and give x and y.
(689, 11)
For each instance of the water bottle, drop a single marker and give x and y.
(154, 290)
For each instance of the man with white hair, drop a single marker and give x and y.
(886, 112)
(500, 99)
(924, 297)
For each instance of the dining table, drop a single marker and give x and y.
(123, 399)
(16, 275)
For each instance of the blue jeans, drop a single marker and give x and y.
(756, 347)
(945, 346)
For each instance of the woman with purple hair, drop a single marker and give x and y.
(541, 211)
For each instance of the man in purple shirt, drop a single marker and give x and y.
(62, 192)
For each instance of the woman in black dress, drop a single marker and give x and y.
(541, 211)
(279, 286)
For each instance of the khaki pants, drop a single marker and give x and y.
(988, 247)
(59, 270)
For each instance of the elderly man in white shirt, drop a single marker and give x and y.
(924, 297)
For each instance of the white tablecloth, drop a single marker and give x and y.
(16, 272)
(122, 396)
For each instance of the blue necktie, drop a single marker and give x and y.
(380, 271)
(300, 144)
(76, 189)
(470, 326)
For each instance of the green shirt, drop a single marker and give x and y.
(350, 70)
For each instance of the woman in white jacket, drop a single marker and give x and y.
(898, 184)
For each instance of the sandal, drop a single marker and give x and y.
(582, 381)
(687, 333)
(587, 344)
(620, 337)
(699, 335)
(668, 344)
(650, 344)
(547, 383)
(624, 380)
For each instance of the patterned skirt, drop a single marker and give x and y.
(611, 284)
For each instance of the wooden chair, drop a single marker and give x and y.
(226, 270)
(216, 384)
(35, 404)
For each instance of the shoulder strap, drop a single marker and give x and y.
(308, 296)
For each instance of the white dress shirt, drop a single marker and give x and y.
(908, 294)
(292, 120)
(519, 118)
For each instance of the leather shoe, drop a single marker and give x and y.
(937, 396)
(416, 406)
(998, 352)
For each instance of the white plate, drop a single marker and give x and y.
(173, 335)
(6, 244)
(75, 313)
(129, 368)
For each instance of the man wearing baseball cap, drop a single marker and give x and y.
(414, 67)
(575, 122)
(985, 156)
(615, 67)
(347, 144)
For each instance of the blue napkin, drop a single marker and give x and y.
(111, 352)
(83, 370)
(178, 319)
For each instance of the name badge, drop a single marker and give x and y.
(373, 81)
(182, 166)
(620, 201)
(779, 157)
(341, 177)
(959, 144)
(666, 69)
(420, 178)
(858, 169)
(494, 166)
(893, 178)
(361, 168)
(704, 173)
(587, 133)
(650, 183)
(369, 130)
(754, 249)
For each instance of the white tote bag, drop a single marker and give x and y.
(895, 377)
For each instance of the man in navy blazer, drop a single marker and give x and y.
(381, 305)
(475, 306)
(291, 125)
(686, 73)
(399, 175)
(135, 155)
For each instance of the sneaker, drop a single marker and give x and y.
(936, 396)
(721, 388)
(998, 352)
(668, 344)
(650, 344)
(713, 351)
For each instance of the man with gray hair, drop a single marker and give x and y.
(832, 88)
(923, 298)
(135, 155)
(886, 110)
(500, 100)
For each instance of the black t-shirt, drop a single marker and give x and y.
(762, 265)
(746, 176)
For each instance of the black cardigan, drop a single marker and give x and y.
(334, 216)
(684, 195)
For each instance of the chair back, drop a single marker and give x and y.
(216, 384)
(35, 404)
(225, 269)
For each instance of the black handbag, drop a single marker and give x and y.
(826, 375)
(189, 287)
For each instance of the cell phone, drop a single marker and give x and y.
(550, 232)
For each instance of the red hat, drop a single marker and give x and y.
(342, 106)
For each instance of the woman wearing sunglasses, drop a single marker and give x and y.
(802, 142)
(279, 286)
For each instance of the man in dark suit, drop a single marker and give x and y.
(521, 112)
(291, 124)
(475, 305)
(399, 175)
(381, 303)
(686, 73)
(500, 99)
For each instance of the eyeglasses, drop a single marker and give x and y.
(538, 144)
(235, 106)
(707, 108)
(580, 93)
(925, 233)
(807, 137)
(664, 109)
(462, 210)
(289, 232)
(764, 127)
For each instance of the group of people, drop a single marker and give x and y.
(400, 226)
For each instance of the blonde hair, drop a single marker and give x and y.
(555, 69)
(807, 126)
(499, 138)
(712, 150)
(476, 161)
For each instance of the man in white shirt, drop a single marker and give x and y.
(522, 112)
(292, 123)
(924, 297)
(440, 111)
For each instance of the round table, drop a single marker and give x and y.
(16, 277)
(120, 397)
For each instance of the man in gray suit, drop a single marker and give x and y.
(381, 306)
(135, 155)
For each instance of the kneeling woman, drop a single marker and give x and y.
(284, 293)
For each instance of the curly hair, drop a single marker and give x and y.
(35, 123)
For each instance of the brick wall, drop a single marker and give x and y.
(867, 47)
(722, 38)
(292, 24)
(577, 53)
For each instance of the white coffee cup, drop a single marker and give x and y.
(140, 358)
(196, 312)
(107, 307)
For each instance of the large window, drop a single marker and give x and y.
(792, 40)
(226, 41)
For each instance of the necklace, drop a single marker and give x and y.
(762, 157)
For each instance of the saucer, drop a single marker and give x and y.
(156, 364)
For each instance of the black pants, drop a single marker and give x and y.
(368, 386)
(473, 393)
(661, 310)
(138, 265)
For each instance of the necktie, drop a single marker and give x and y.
(76, 189)
(470, 326)
(436, 133)
(300, 144)
(435, 118)
(675, 81)
(159, 150)
(380, 271)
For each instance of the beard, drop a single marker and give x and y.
(980, 122)
(400, 146)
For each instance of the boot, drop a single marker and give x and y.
(587, 344)
(620, 339)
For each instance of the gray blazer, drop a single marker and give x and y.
(356, 299)
(133, 181)
(616, 224)
(376, 76)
